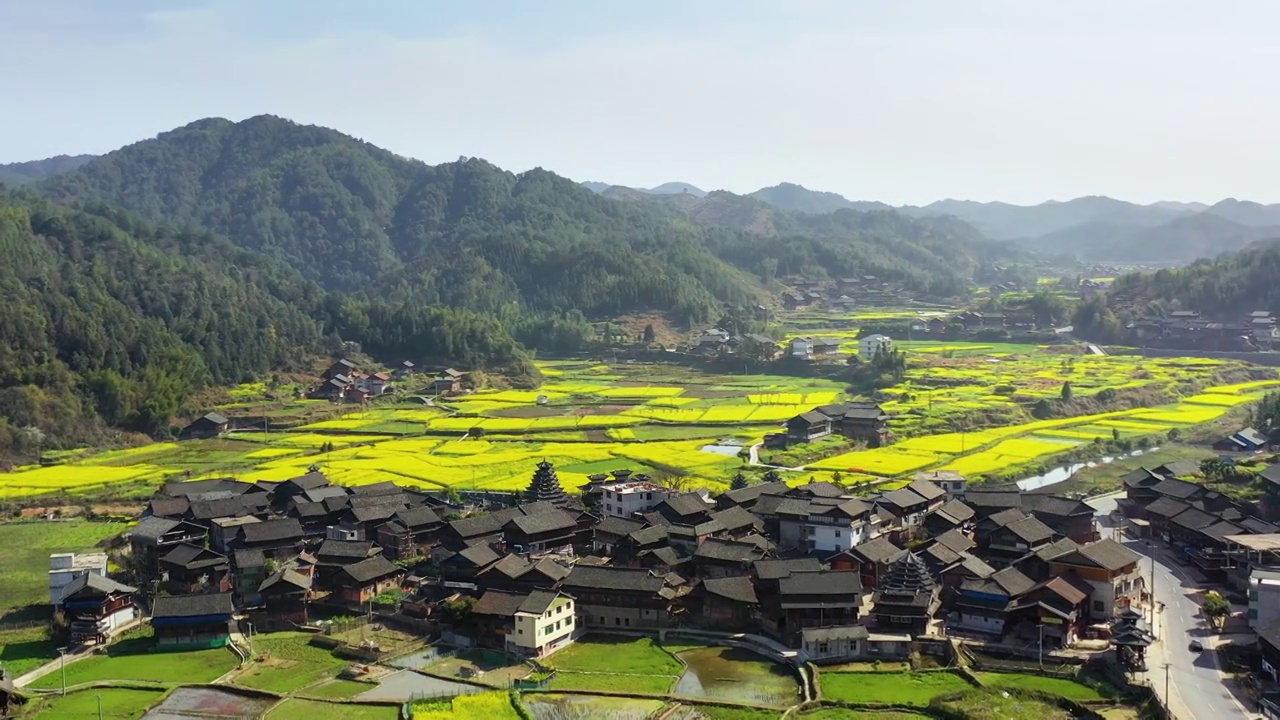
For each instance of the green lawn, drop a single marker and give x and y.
(607, 654)
(22, 651)
(834, 713)
(286, 663)
(990, 703)
(890, 688)
(135, 659)
(1062, 687)
(646, 684)
(313, 710)
(719, 712)
(116, 703)
(27, 546)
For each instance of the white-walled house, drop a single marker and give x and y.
(625, 499)
(870, 345)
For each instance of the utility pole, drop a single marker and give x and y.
(1166, 686)
(62, 653)
(99, 699)
(1151, 546)
(1041, 646)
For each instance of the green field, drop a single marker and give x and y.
(115, 703)
(992, 703)
(27, 547)
(285, 663)
(22, 651)
(135, 659)
(603, 653)
(960, 406)
(915, 688)
(1089, 690)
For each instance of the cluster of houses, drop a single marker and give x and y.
(833, 576)
(716, 341)
(1186, 328)
(856, 420)
(343, 381)
(845, 294)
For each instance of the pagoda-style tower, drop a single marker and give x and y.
(906, 598)
(545, 486)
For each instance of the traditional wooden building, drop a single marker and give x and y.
(95, 607)
(186, 622)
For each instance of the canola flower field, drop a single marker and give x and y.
(590, 418)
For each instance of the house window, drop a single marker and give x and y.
(1099, 606)
(608, 508)
(627, 622)
(837, 533)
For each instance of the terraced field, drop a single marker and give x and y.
(678, 422)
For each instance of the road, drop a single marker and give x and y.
(1195, 684)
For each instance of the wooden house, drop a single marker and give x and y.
(189, 622)
(95, 607)
(210, 425)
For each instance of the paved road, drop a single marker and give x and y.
(1195, 685)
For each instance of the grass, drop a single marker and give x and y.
(1105, 477)
(720, 712)
(27, 547)
(640, 656)
(286, 663)
(991, 703)
(917, 688)
(115, 703)
(295, 709)
(22, 651)
(1062, 687)
(550, 705)
(339, 689)
(135, 659)
(833, 713)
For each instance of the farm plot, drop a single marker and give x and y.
(1005, 454)
(910, 688)
(885, 462)
(26, 564)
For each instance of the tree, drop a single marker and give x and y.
(1216, 608)
(1066, 391)
(739, 481)
(836, 477)
(771, 476)
(650, 335)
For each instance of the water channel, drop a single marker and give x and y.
(1061, 474)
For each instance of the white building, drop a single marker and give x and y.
(65, 567)
(544, 623)
(870, 345)
(951, 482)
(802, 349)
(827, 529)
(624, 499)
(1264, 597)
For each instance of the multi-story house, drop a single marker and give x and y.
(1109, 568)
(527, 624)
(625, 499)
(824, 529)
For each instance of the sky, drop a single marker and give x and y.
(903, 101)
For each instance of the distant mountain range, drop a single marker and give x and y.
(25, 172)
(1091, 228)
(671, 188)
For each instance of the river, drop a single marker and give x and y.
(1060, 474)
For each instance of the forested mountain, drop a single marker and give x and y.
(361, 220)
(669, 188)
(796, 198)
(15, 174)
(1225, 287)
(1185, 239)
(110, 320)
(105, 316)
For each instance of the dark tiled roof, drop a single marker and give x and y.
(926, 490)
(213, 509)
(819, 489)
(286, 580)
(1013, 582)
(1180, 489)
(507, 604)
(1193, 519)
(776, 569)
(728, 551)
(99, 583)
(879, 550)
(193, 557)
(1272, 475)
(976, 566)
(178, 606)
(1270, 633)
(191, 487)
(1109, 554)
(1141, 477)
(375, 513)
(987, 500)
(320, 494)
(1057, 548)
(1007, 517)
(844, 584)
(653, 534)
(735, 518)
(371, 569)
(666, 555)
(849, 508)
(738, 589)
(386, 487)
(344, 549)
(607, 578)
(941, 555)
(272, 531)
(1257, 527)
(1220, 530)
(1179, 468)
(169, 507)
(307, 482)
(1031, 530)
(686, 504)
(1166, 507)
(484, 524)
(418, 518)
(153, 528)
(753, 492)
(902, 499)
(1054, 506)
(544, 522)
(479, 555)
(955, 540)
(618, 526)
(247, 558)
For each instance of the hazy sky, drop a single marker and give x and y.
(894, 100)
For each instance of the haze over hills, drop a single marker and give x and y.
(669, 188)
(1091, 228)
(24, 172)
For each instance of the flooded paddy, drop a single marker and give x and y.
(587, 707)
(734, 674)
(209, 703)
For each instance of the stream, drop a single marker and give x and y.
(1060, 474)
